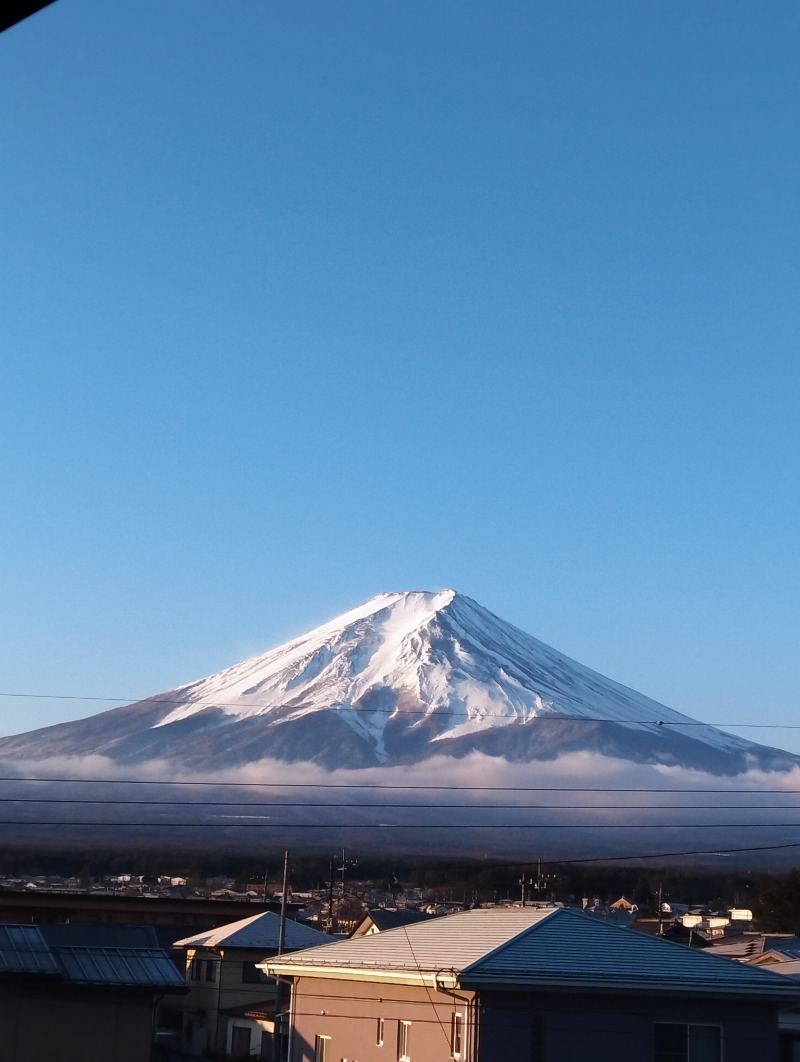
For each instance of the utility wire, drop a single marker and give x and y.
(125, 702)
(631, 857)
(320, 825)
(395, 806)
(383, 786)
(481, 865)
(615, 1029)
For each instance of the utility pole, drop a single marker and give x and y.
(282, 930)
(346, 863)
(280, 1028)
(544, 882)
(330, 897)
(660, 919)
(523, 884)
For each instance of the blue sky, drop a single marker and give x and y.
(306, 301)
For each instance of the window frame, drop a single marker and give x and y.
(404, 1041)
(457, 1035)
(251, 975)
(321, 1048)
(203, 969)
(237, 1032)
(687, 1026)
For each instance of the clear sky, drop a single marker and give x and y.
(303, 301)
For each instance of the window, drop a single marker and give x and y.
(379, 1033)
(251, 975)
(321, 1048)
(457, 1036)
(404, 1041)
(203, 970)
(240, 1041)
(675, 1042)
(538, 1047)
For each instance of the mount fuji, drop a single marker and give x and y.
(402, 678)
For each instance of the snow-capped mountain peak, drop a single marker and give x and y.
(437, 660)
(401, 678)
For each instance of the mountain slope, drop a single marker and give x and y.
(403, 677)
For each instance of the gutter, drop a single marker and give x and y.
(615, 986)
(437, 979)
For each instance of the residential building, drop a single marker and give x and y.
(624, 904)
(230, 1006)
(535, 984)
(81, 993)
(379, 919)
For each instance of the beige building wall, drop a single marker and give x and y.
(204, 1025)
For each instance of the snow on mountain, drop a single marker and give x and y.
(403, 677)
(436, 654)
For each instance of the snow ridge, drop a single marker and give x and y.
(427, 660)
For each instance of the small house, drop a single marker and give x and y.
(536, 984)
(230, 1006)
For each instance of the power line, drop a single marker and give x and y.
(319, 825)
(631, 857)
(615, 1028)
(395, 806)
(124, 702)
(482, 865)
(398, 787)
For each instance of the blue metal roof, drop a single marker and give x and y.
(784, 944)
(570, 949)
(24, 951)
(89, 955)
(125, 967)
(122, 956)
(384, 919)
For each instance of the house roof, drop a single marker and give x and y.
(786, 945)
(790, 968)
(449, 942)
(750, 947)
(383, 919)
(23, 950)
(261, 1011)
(123, 956)
(547, 948)
(258, 931)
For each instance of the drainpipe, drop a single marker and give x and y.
(153, 1022)
(219, 997)
(469, 1053)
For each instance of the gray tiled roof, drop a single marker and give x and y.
(557, 947)
(258, 931)
(450, 942)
